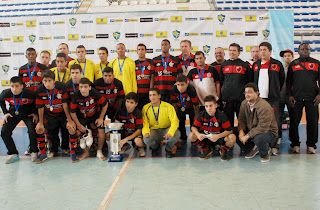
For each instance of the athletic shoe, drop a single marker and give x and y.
(205, 154)
(83, 144)
(217, 147)
(168, 154)
(42, 158)
(65, 151)
(252, 153)
(52, 154)
(267, 158)
(142, 153)
(224, 155)
(274, 151)
(311, 150)
(296, 149)
(74, 159)
(12, 158)
(124, 148)
(34, 156)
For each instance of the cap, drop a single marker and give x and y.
(284, 51)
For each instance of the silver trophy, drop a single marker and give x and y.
(115, 137)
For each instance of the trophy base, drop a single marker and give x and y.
(115, 158)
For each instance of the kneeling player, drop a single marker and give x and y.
(212, 128)
(52, 104)
(88, 108)
(131, 117)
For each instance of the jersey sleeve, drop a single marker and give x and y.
(197, 123)
(215, 75)
(39, 100)
(139, 122)
(173, 98)
(74, 103)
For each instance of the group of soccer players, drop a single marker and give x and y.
(151, 97)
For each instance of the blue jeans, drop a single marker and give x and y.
(262, 141)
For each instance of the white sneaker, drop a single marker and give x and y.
(83, 143)
(311, 150)
(142, 153)
(12, 158)
(274, 151)
(34, 156)
(267, 158)
(50, 155)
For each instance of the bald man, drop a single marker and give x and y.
(219, 55)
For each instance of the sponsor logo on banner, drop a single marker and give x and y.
(5, 39)
(90, 52)
(102, 36)
(59, 37)
(4, 24)
(176, 19)
(72, 22)
(16, 68)
(131, 50)
(18, 39)
(60, 22)
(146, 35)
(102, 21)
(236, 34)
(32, 38)
(251, 18)
(161, 34)
(191, 34)
(176, 34)
(131, 35)
(206, 18)
(191, 19)
(251, 33)
(5, 69)
(5, 54)
(73, 37)
(116, 35)
(221, 18)
(87, 36)
(206, 34)
(31, 23)
(194, 49)
(175, 50)
(45, 38)
(44, 23)
(161, 19)
(131, 20)
(146, 20)
(236, 19)
(17, 24)
(18, 53)
(86, 21)
(264, 18)
(266, 33)
(149, 50)
(206, 49)
(248, 48)
(221, 33)
(158, 50)
(5, 83)
(111, 51)
(116, 20)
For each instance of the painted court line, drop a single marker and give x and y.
(116, 183)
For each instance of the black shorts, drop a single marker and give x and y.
(52, 123)
(87, 121)
(213, 144)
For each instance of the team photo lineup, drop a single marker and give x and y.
(64, 102)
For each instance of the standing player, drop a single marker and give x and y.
(22, 107)
(145, 75)
(103, 56)
(186, 57)
(88, 108)
(62, 73)
(63, 48)
(167, 68)
(45, 58)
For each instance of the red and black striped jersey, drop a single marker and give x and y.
(27, 104)
(111, 92)
(234, 75)
(132, 121)
(71, 89)
(143, 81)
(212, 125)
(165, 80)
(190, 97)
(36, 79)
(53, 63)
(89, 106)
(60, 96)
(217, 66)
(187, 64)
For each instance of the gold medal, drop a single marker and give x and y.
(157, 123)
(121, 73)
(142, 75)
(16, 112)
(165, 71)
(183, 109)
(30, 82)
(51, 108)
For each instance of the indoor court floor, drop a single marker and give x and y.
(288, 181)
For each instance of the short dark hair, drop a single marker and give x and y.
(210, 98)
(166, 40)
(105, 49)
(64, 44)
(303, 44)
(48, 74)
(266, 44)
(155, 89)
(85, 80)
(76, 66)
(199, 53)
(185, 40)
(252, 85)
(142, 45)
(80, 46)
(235, 45)
(45, 51)
(182, 78)
(133, 96)
(62, 55)
(16, 79)
(108, 70)
(31, 49)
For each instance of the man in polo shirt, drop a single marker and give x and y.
(219, 55)
(186, 57)
(63, 48)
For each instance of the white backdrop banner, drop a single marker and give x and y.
(205, 29)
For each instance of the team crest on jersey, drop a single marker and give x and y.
(238, 69)
(221, 18)
(216, 124)
(206, 49)
(209, 75)
(5, 68)
(256, 68)
(73, 21)
(171, 64)
(25, 101)
(92, 101)
(116, 35)
(274, 66)
(266, 33)
(115, 90)
(39, 74)
(59, 96)
(311, 65)
(176, 34)
(188, 98)
(149, 67)
(32, 38)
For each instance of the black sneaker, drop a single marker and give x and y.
(168, 154)
(155, 152)
(224, 155)
(205, 154)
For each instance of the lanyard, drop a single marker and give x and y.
(105, 84)
(101, 67)
(84, 104)
(209, 124)
(165, 64)
(183, 100)
(142, 67)
(121, 67)
(74, 88)
(201, 76)
(52, 96)
(63, 75)
(128, 120)
(34, 69)
(156, 116)
(14, 100)
(84, 68)
(186, 66)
